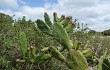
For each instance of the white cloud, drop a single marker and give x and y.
(107, 18)
(22, 2)
(33, 12)
(9, 3)
(76, 3)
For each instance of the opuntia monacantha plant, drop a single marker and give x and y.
(59, 29)
(29, 53)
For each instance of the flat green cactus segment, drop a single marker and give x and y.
(87, 52)
(23, 42)
(43, 26)
(56, 54)
(56, 19)
(76, 60)
(106, 64)
(61, 35)
(43, 57)
(101, 60)
(47, 19)
(76, 45)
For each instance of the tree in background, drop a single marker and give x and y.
(106, 32)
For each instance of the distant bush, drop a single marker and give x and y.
(92, 32)
(106, 32)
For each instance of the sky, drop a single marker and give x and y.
(96, 13)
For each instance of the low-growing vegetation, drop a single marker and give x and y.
(63, 44)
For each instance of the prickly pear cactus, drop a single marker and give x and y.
(30, 53)
(59, 29)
